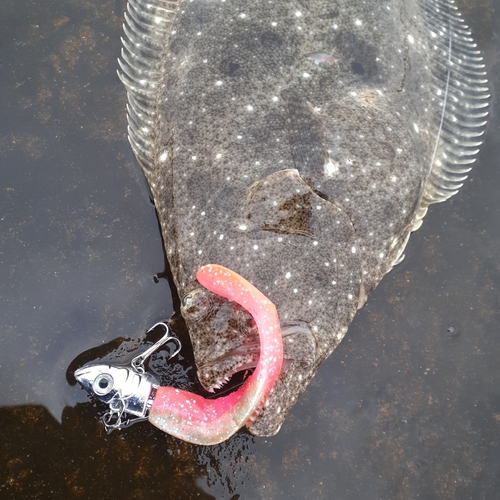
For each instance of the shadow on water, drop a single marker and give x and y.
(407, 407)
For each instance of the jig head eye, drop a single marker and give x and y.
(103, 384)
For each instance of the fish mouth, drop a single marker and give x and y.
(299, 349)
(214, 375)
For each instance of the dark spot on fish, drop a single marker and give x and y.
(357, 68)
(352, 47)
(271, 38)
(386, 151)
(233, 67)
(298, 215)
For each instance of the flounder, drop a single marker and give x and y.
(298, 144)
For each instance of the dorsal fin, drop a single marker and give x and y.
(147, 26)
(460, 101)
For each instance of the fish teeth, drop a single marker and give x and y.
(221, 383)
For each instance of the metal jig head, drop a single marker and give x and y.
(127, 389)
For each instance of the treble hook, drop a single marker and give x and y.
(112, 419)
(138, 362)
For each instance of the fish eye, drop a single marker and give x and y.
(103, 384)
(196, 304)
(186, 299)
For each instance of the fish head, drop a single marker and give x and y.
(224, 337)
(226, 342)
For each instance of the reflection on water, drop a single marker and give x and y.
(407, 407)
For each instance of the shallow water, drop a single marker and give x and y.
(407, 407)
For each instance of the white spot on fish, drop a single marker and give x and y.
(330, 169)
(288, 276)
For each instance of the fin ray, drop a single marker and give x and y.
(460, 102)
(146, 28)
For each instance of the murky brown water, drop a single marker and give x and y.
(407, 407)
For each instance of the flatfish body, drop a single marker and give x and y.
(298, 143)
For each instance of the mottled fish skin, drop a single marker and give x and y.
(303, 176)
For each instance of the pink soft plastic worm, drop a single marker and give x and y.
(197, 420)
